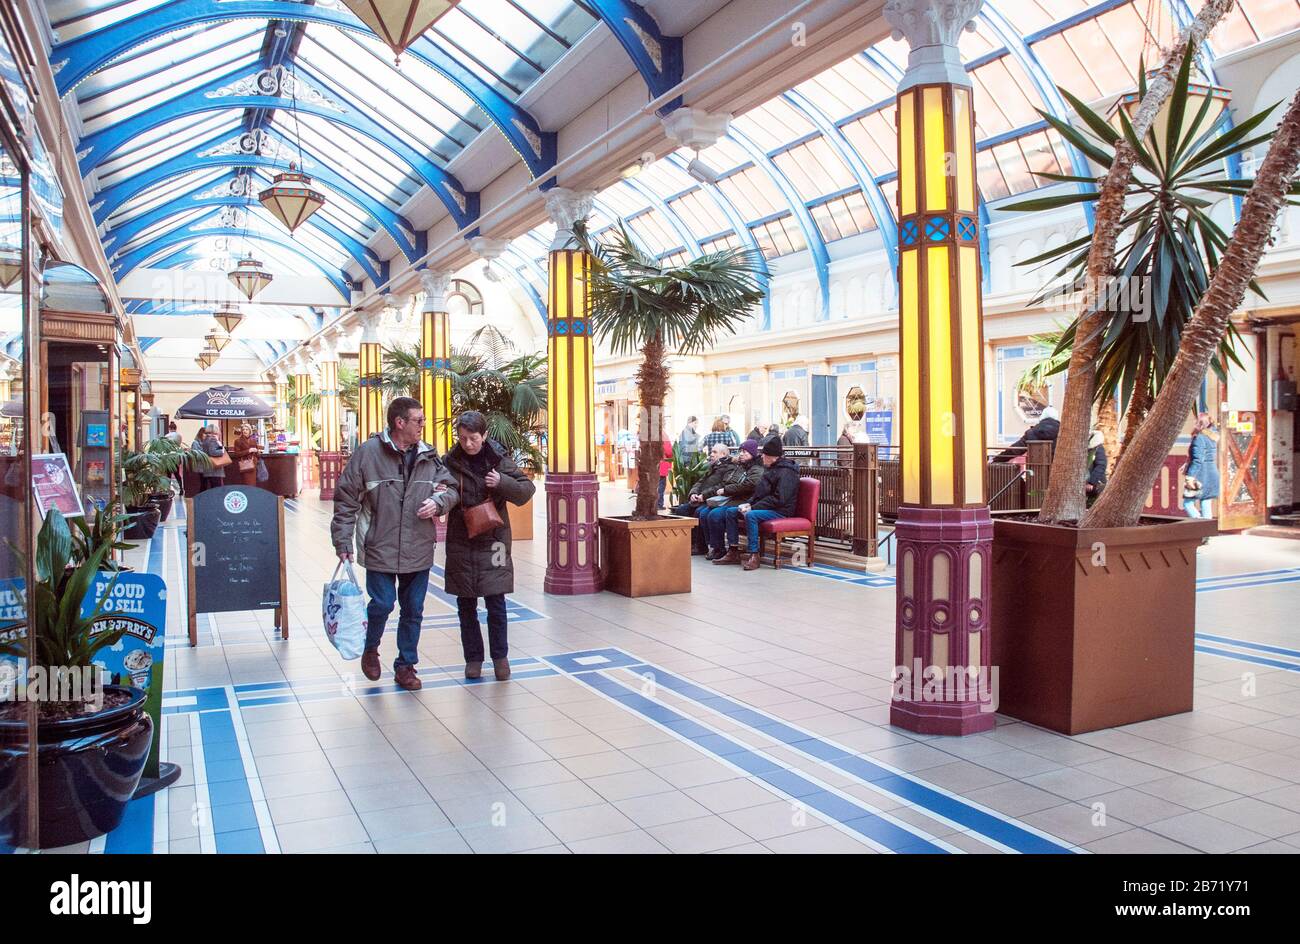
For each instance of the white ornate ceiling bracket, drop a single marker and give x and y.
(932, 29)
(565, 207)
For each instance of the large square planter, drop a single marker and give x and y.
(1094, 628)
(646, 558)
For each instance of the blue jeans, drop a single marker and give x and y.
(753, 520)
(687, 510)
(1189, 506)
(722, 526)
(471, 637)
(409, 591)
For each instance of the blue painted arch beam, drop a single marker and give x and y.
(656, 56)
(79, 58)
(102, 144)
(104, 204)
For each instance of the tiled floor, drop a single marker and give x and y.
(748, 716)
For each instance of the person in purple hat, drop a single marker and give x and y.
(720, 522)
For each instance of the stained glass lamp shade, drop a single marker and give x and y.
(11, 265)
(228, 316)
(291, 199)
(399, 22)
(250, 277)
(217, 339)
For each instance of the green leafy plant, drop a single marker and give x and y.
(640, 304)
(60, 636)
(1168, 245)
(105, 530)
(150, 471)
(689, 469)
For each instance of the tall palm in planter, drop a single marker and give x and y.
(637, 304)
(1094, 613)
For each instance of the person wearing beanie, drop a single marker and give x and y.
(694, 507)
(721, 523)
(774, 497)
(1045, 430)
(1096, 465)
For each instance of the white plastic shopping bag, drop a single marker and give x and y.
(343, 608)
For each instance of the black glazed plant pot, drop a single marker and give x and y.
(163, 500)
(144, 524)
(89, 768)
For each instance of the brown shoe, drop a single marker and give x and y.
(474, 670)
(731, 557)
(502, 669)
(407, 678)
(751, 562)
(370, 664)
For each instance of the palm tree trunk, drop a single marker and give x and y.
(1139, 403)
(1066, 497)
(1108, 424)
(652, 379)
(1121, 503)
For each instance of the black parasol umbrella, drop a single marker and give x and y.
(225, 403)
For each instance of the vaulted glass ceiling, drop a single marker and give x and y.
(189, 109)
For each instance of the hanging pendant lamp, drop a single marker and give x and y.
(11, 265)
(228, 316)
(399, 22)
(208, 356)
(217, 339)
(291, 199)
(250, 277)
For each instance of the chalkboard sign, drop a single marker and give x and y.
(236, 554)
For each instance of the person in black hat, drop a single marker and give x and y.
(775, 496)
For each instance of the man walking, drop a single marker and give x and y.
(390, 493)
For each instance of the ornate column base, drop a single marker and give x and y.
(331, 465)
(572, 534)
(943, 683)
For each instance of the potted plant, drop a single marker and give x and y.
(92, 739)
(688, 471)
(147, 482)
(639, 304)
(1094, 608)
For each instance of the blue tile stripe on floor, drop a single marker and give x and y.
(1246, 644)
(1244, 657)
(896, 783)
(880, 832)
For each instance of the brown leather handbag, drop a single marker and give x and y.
(480, 518)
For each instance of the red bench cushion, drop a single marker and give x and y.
(783, 525)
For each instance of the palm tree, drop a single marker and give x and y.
(1038, 375)
(639, 304)
(1121, 503)
(509, 389)
(1167, 247)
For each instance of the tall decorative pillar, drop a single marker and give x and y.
(572, 489)
(370, 372)
(331, 453)
(302, 386)
(943, 683)
(281, 399)
(435, 355)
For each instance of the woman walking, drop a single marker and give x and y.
(1201, 480)
(478, 544)
(243, 455)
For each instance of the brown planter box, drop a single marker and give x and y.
(1079, 645)
(646, 558)
(521, 520)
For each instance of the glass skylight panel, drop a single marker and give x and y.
(161, 228)
(875, 139)
(1030, 16)
(622, 200)
(666, 179)
(656, 231)
(718, 244)
(163, 192)
(973, 45)
(481, 52)
(1002, 97)
(512, 27)
(847, 87)
(1250, 21)
(815, 169)
(779, 237)
(367, 163)
(753, 193)
(772, 124)
(843, 216)
(700, 213)
(166, 141)
(72, 18)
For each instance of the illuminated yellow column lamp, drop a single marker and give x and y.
(435, 355)
(281, 401)
(331, 451)
(572, 490)
(370, 372)
(942, 682)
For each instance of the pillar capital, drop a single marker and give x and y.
(932, 29)
(435, 284)
(566, 207)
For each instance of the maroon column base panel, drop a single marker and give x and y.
(572, 534)
(331, 466)
(942, 622)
